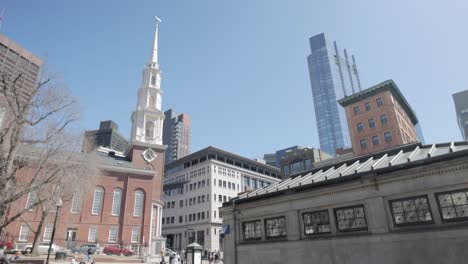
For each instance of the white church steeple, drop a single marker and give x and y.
(147, 119)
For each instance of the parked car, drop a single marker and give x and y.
(128, 252)
(8, 245)
(42, 249)
(111, 250)
(84, 248)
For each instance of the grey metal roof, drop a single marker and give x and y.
(398, 157)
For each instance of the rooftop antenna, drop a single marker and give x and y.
(1, 18)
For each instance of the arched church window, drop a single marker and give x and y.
(97, 201)
(153, 80)
(149, 129)
(116, 202)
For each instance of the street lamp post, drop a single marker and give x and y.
(59, 204)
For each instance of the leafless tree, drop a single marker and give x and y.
(39, 152)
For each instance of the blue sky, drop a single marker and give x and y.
(238, 68)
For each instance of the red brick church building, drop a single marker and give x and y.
(125, 207)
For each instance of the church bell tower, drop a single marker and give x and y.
(147, 119)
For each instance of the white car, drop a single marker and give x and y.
(43, 248)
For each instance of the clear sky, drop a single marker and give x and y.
(239, 68)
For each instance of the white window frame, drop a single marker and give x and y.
(76, 205)
(97, 205)
(135, 237)
(116, 204)
(30, 201)
(92, 230)
(138, 210)
(24, 233)
(111, 235)
(47, 232)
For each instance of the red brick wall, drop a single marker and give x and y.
(391, 109)
(109, 181)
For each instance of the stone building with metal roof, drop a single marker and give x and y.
(403, 205)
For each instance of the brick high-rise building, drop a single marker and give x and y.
(176, 135)
(379, 118)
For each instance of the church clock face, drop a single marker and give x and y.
(149, 155)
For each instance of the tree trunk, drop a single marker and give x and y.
(37, 235)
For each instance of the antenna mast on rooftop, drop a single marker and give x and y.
(1, 18)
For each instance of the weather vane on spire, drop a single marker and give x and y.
(154, 54)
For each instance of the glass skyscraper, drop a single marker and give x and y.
(333, 75)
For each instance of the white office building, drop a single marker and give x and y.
(196, 186)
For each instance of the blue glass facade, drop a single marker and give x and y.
(333, 75)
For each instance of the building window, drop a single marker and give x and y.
(252, 230)
(316, 223)
(308, 166)
(31, 201)
(149, 129)
(350, 218)
(97, 201)
(388, 136)
(375, 140)
(360, 127)
(92, 234)
(181, 219)
(286, 170)
(379, 102)
(181, 203)
(356, 110)
(24, 233)
(368, 106)
(383, 119)
(116, 202)
(135, 234)
(363, 143)
(411, 211)
(172, 219)
(76, 204)
(153, 80)
(48, 232)
(254, 184)
(275, 227)
(137, 210)
(371, 123)
(453, 205)
(113, 231)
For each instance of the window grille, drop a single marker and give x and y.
(411, 211)
(350, 218)
(453, 205)
(316, 222)
(275, 227)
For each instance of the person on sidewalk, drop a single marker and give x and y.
(89, 255)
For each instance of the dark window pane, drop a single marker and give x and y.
(252, 230)
(368, 106)
(411, 211)
(351, 218)
(275, 227)
(453, 205)
(316, 222)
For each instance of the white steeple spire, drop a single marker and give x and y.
(147, 119)
(154, 54)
